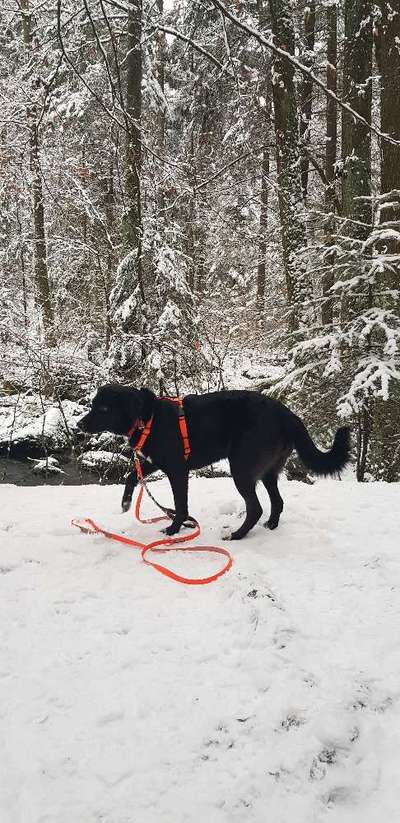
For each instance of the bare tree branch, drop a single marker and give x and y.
(195, 45)
(224, 168)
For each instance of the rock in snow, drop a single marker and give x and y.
(49, 465)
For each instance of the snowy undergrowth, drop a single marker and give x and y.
(28, 419)
(272, 694)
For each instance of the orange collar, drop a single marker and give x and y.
(146, 428)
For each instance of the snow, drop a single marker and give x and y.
(272, 694)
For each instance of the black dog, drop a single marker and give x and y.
(254, 432)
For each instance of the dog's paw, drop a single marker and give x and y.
(226, 533)
(125, 505)
(272, 523)
(170, 530)
(237, 535)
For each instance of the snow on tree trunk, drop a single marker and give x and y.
(386, 441)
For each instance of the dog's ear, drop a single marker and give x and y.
(148, 399)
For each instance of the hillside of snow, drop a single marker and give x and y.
(270, 695)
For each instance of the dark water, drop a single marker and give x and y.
(19, 472)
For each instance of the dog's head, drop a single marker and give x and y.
(114, 409)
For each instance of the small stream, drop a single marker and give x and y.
(19, 473)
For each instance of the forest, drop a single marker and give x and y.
(198, 195)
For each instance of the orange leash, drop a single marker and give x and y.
(88, 526)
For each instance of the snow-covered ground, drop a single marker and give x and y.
(270, 695)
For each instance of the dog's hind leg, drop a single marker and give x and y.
(270, 480)
(246, 486)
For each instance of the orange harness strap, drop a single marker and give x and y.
(144, 435)
(182, 425)
(146, 428)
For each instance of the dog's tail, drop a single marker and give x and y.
(323, 463)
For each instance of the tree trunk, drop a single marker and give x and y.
(356, 138)
(161, 116)
(364, 426)
(306, 92)
(85, 285)
(356, 180)
(288, 165)
(41, 275)
(191, 210)
(133, 212)
(388, 59)
(23, 273)
(330, 160)
(109, 210)
(386, 444)
(195, 231)
(261, 267)
(265, 169)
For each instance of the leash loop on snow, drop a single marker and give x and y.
(88, 526)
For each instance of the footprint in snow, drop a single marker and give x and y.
(282, 637)
(366, 699)
(292, 721)
(318, 768)
(330, 755)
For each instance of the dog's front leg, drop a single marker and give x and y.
(179, 484)
(131, 483)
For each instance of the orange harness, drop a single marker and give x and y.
(146, 428)
(88, 526)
